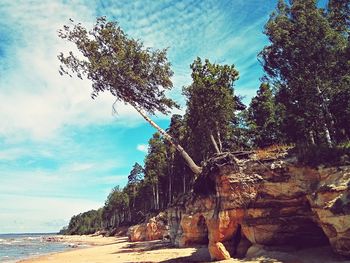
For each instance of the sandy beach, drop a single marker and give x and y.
(120, 250)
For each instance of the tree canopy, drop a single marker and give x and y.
(211, 105)
(263, 118)
(302, 57)
(119, 64)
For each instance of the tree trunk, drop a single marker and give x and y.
(311, 137)
(219, 141)
(193, 166)
(157, 196)
(214, 143)
(219, 137)
(328, 135)
(170, 172)
(170, 190)
(327, 115)
(184, 183)
(154, 196)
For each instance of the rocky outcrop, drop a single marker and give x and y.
(271, 202)
(331, 204)
(155, 228)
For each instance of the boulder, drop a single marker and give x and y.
(218, 251)
(137, 233)
(155, 228)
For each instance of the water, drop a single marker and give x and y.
(14, 247)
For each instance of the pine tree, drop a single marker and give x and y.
(155, 168)
(262, 118)
(211, 106)
(134, 179)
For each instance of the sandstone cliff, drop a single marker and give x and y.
(239, 202)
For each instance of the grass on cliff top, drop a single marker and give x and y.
(272, 152)
(310, 155)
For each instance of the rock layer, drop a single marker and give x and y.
(239, 202)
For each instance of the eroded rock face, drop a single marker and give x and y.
(264, 202)
(331, 204)
(281, 213)
(155, 228)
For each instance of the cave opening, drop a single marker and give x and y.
(238, 236)
(239, 244)
(308, 234)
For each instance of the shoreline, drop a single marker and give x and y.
(74, 243)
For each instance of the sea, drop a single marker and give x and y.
(15, 247)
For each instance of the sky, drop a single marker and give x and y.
(61, 152)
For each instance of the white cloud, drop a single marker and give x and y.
(36, 101)
(142, 148)
(39, 214)
(80, 167)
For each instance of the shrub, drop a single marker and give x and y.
(315, 155)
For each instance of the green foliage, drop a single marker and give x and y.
(155, 167)
(179, 175)
(211, 105)
(263, 118)
(339, 15)
(340, 109)
(322, 155)
(116, 209)
(302, 58)
(136, 174)
(84, 224)
(119, 64)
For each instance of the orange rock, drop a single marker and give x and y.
(137, 233)
(218, 251)
(155, 228)
(194, 229)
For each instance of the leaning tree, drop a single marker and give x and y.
(117, 63)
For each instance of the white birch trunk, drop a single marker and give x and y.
(193, 166)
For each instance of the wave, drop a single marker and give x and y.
(32, 238)
(8, 242)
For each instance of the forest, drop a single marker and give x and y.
(303, 102)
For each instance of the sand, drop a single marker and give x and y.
(120, 250)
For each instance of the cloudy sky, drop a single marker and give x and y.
(61, 152)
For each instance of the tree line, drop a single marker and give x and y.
(303, 99)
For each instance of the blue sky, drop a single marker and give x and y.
(60, 151)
